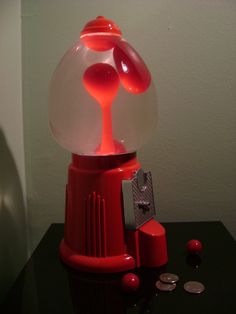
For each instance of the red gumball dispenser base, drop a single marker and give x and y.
(96, 235)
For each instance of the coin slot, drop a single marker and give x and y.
(144, 206)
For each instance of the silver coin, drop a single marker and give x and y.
(165, 286)
(169, 278)
(194, 287)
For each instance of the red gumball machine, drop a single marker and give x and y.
(102, 108)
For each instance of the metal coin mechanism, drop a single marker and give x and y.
(165, 286)
(194, 287)
(169, 278)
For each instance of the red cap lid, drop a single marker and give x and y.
(101, 25)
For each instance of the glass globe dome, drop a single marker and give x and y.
(101, 99)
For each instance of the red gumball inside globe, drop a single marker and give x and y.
(194, 246)
(130, 282)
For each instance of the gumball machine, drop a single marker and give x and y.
(102, 108)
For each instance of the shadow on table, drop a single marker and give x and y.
(13, 234)
(97, 293)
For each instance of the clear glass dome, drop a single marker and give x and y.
(101, 98)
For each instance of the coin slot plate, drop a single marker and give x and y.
(138, 200)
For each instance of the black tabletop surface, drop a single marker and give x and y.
(46, 286)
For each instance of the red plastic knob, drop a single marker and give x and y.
(130, 282)
(101, 25)
(100, 34)
(194, 246)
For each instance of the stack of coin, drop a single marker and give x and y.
(167, 282)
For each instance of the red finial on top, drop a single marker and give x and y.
(101, 25)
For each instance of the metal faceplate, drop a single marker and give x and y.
(138, 199)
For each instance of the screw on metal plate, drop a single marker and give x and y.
(141, 179)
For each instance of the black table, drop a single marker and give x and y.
(46, 286)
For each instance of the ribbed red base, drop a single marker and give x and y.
(146, 247)
(95, 238)
(110, 264)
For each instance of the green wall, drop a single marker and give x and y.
(13, 211)
(190, 48)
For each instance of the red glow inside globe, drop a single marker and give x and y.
(102, 82)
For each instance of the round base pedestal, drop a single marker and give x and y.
(96, 238)
(146, 245)
(110, 264)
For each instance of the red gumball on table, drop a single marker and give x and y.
(194, 246)
(130, 282)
